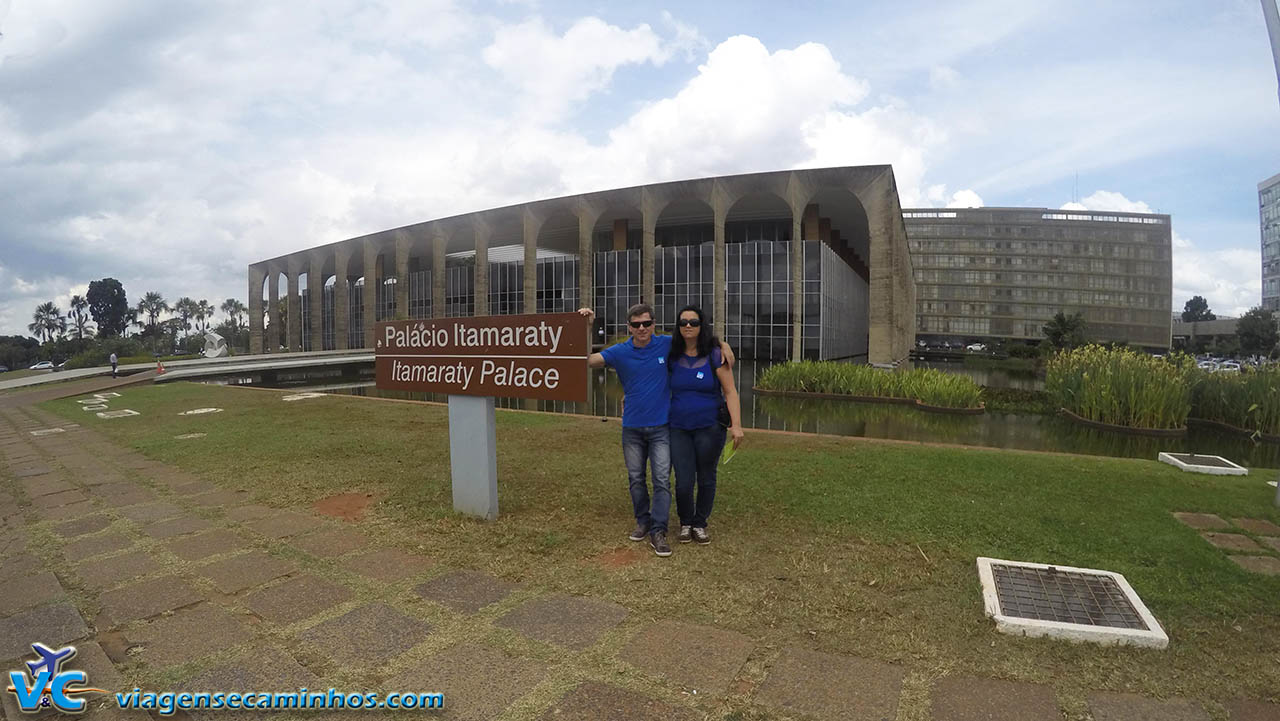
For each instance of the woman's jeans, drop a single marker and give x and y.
(641, 444)
(694, 455)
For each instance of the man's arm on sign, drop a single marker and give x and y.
(595, 360)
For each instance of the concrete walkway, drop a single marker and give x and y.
(166, 581)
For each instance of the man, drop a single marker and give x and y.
(114, 361)
(641, 363)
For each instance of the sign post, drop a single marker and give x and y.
(474, 360)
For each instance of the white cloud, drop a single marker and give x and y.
(965, 199)
(943, 77)
(1109, 200)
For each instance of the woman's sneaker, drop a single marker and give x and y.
(686, 534)
(700, 535)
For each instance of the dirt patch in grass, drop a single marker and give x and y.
(617, 558)
(347, 506)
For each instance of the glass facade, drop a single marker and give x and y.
(617, 276)
(459, 289)
(682, 275)
(506, 288)
(420, 294)
(327, 319)
(386, 299)
(306, 317)
(355, 314)
(1269, 224)
(1004, 272)
(557, 285)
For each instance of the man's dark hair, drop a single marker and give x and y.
(639, 309)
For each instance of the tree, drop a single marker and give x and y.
(1197, 309)
(1257, 332)
(204, 313)
(151, 306)
(47, 322)
(79, 317)
(1065, 331)
(108, 306)
(185, 309)
(234, 309)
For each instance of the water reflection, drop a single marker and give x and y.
(1024, 380)
(996, 430)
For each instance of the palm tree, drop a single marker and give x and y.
(204, 313)
(185, 308)
(152, 305)
(234, 309)
(47, 321)
(1065, 331)
(79, 316)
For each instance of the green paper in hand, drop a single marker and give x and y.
(728, 453)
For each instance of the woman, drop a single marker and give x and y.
(700, 382)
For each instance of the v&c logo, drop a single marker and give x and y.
(47, 686)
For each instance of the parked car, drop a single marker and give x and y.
(1229, 367)
(42, 366)
(1207, 365)
(976, 347)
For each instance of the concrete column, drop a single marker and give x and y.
(797, 287)
(530, 275)
(403, 242)
(437, 276)
(341, 300)
(620, 234)
(295, 307)
(372, 277)
(586, 263)
(482, 268)
(256, 276)
(647, 257)
(315, 291)
(719, 290)
(272, 344)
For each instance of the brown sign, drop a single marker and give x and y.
(514, 356)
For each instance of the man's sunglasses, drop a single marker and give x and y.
(693, 323)
(640, 323)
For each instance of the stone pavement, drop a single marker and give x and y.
(168, 582)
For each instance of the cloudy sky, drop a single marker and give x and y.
(170, 144)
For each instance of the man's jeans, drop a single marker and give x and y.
(695, 455)
(651, 443)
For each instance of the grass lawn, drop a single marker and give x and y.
(14, 375)
(838, 544)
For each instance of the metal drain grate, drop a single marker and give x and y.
(1048, 594)
(1211, 461)
(1213, 465)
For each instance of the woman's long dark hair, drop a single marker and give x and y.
(706, 340)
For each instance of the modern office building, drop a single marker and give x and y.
(790, 264)
(1002, 273)
(1269, 223)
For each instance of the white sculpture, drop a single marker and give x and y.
(215, 346)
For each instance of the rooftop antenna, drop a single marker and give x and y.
(1075, 189)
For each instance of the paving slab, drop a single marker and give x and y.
(262, 670)
(151, 512)
(94, 545)
(189, 634)
(1266, 565)
(250, 512)
(21, 565)
(194, 488)
(144, 599)
(466, 591)
(965, 698)
(1231, 541)
(283, 524)
(203, 545)
(571, 621)
(67, 512)
(245, 571)
(1132, 707)
(81, 526)
(479, 682)
(367, 636)
(31, 591)
(54, 625)
(1202, 521)
(594, 701)
(1272, 542)
(1258, 526)
(61, 498)
(829, 686)
(388, 565)
(331, 543)
(116, 570)
(297, 599)
(1249, 710)
(220, 499)
(719, 653)
(27, 471)
(45, 485)
(176, 527)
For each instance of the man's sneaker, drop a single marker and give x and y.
(701, 536)
(686, 534)
(658, 540)
(641, 532)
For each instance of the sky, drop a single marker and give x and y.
(169, 145)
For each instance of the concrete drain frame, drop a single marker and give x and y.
(1196, 463)
(1020, 623)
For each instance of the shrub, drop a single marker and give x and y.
(1122, 387)
(1250, 399)
(927, 385)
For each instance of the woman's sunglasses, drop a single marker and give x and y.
(640, 323)
(694, 323)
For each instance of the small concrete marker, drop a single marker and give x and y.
(118, 414)
(189, 436)
(96, 407)
(301, 397)
(47, 431)
(200, 411)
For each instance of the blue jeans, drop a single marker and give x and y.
(695, 455)
(648, 443)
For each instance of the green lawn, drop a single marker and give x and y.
(14, 375)
(854, 546)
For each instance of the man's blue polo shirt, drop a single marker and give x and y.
(643, 372)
